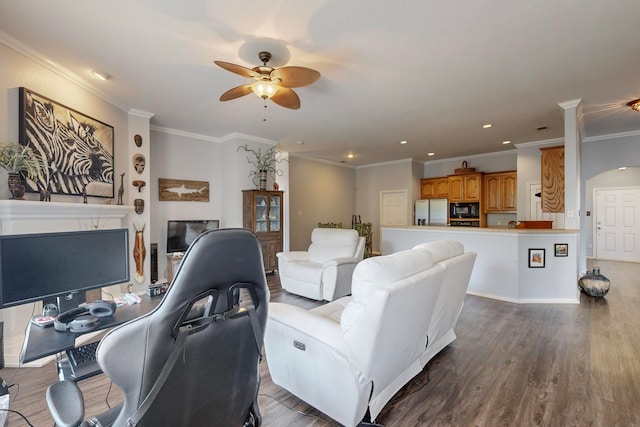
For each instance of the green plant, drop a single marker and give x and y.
(16, 158)
(268, 161)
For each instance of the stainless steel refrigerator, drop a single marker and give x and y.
(431, 212)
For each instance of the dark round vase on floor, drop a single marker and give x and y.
(594, 283)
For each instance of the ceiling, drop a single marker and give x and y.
(428, 72)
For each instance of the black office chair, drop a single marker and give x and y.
(193, 361)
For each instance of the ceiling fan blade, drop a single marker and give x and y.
(294, 76)
(287, 98)
(236, 92)
(238, 69)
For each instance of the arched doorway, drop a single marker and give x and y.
(613, 215)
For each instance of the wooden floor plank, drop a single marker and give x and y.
(512, 365)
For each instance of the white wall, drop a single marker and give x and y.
(176, 155)
(493, 162)
(319, 192)
(501, 269)
(371, 180)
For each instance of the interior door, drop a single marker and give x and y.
(393, 208)
(617, 224)
(535, 208)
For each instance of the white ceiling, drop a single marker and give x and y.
(429, 72)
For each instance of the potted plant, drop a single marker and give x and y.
(265, 164)
(20, 163)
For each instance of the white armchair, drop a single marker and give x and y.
(324, 271)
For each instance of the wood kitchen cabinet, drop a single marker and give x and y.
(434, 188)
(262, 214)
(500, 192)
(552, 179)
(465, 188)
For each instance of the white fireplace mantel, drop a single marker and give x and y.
(23, 217)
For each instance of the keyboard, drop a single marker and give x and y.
(82, 361)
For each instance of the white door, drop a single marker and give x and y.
(393, 208)
(617, 224)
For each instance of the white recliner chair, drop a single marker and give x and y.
(324, 271)
(349, 357)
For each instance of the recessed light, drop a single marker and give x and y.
(487, 126)
(403, 142)
(300, 142)
(350, 155)
(431, 154)
(506, 142)
(622, 168)
(101, 75)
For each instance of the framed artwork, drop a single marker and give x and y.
(561, 249)
(536, 258)
(76, 150)
(182, 190)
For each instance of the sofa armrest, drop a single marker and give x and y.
(293, 256)
(305, 322)
(308, 356)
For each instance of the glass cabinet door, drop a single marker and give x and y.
(274, 213)
(261, 214)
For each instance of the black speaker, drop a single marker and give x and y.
(154, 262)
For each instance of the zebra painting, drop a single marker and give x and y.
(76, 150)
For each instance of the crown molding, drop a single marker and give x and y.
(58, 69)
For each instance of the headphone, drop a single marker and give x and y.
(84, 319)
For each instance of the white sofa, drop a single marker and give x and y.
(324, 271)
(355, 353)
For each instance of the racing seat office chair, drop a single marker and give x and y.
(193, 360)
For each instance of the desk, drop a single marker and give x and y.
(41, 342)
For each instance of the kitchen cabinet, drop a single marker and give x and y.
(552, 179)
(465, 188)
(434, 188)
(262, 213)
(500, 192)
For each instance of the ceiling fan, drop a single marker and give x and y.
(271, 83)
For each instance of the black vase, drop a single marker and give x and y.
(594, 283)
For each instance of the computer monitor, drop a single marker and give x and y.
(181, 233)
(42, 266)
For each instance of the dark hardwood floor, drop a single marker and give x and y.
(512, 365)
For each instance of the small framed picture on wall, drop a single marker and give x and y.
(561, 249)
(536, 258)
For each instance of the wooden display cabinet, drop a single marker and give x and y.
(500, 192)
(262, 213)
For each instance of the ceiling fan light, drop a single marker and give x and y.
(264, 89)
(634, 105)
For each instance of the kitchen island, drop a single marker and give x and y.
(508, 265)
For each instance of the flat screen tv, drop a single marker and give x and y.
(42, 265)
(181, 233)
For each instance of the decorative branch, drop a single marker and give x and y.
(268, 161)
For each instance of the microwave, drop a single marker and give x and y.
(464, 210)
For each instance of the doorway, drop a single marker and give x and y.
(617, 224)
(534, 205)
